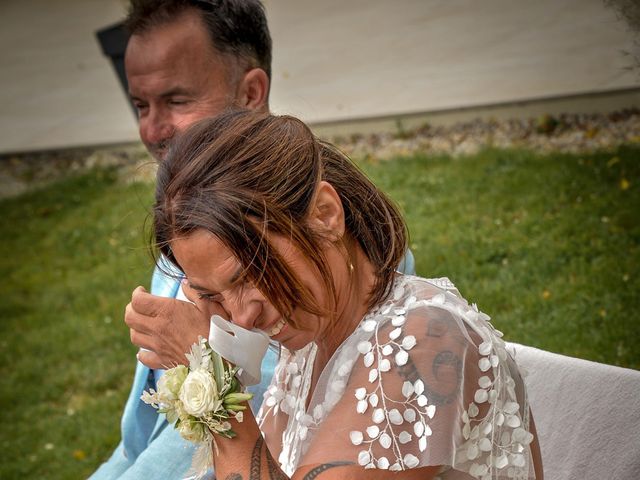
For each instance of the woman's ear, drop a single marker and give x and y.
(327, 213)
(253, 90)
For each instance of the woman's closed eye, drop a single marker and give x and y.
(210, 297)
(237, 290)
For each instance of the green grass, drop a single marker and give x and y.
(547, 245)
(70, 255)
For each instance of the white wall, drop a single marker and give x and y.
(381, 57)
(56, 88)
(332, 60)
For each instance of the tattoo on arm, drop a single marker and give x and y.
(410, 372)
(255, 468)
(233, 476)
(256, 459)
(437, 327)
(450, 360)
(313, 473)
(274, 469)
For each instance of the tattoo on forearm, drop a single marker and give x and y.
(233, 476)
(255, 468)
(313, 473)
(274, 469)
(410, 372)
(256, 459)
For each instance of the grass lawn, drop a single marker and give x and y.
(549, 246)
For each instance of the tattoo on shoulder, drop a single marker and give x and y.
(313, 473)
(437, 327)
(440, 327)
(444, 363)
(450, 361)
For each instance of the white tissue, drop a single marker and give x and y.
(244, 348)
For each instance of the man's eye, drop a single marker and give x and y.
(174, 101)
(140, 107)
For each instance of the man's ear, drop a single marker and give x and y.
(253, 90)
(327, 214)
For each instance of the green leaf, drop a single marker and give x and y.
(218, 368)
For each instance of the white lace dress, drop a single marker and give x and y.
(423, 380)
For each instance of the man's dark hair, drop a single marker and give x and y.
(236, 27)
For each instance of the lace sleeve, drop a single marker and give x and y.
(431, 385)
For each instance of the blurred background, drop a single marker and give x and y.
(507, 131)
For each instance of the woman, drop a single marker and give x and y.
(378, 371)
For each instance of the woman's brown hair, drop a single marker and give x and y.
(243, 175)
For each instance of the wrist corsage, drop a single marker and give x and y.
(200, 399)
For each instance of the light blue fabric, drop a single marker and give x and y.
(150, 448)
(407, 264)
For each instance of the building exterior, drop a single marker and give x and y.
(335, 62)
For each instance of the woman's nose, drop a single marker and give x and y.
(245, 310)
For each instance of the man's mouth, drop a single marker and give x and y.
(158, 150)
(159, 154)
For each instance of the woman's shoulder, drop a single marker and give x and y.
(405, 281)
(432, 307)
(443, 283)
(411, 288)
(447, 381)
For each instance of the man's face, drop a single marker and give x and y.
(176, 78)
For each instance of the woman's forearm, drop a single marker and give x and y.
(246, 456)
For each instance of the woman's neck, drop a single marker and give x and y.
(352, 291)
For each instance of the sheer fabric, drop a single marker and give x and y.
(424, 380)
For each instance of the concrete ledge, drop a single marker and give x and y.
(587, 103)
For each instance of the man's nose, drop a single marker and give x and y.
(157, 128)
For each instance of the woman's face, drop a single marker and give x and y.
(213, 274)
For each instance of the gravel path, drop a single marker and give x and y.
(565, 133)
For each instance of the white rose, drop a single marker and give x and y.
(199, 393)
(170, 383)
(192, 431)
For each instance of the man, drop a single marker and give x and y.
(185, 60)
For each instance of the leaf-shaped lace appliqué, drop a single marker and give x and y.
(496, 441)
(395, 421)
